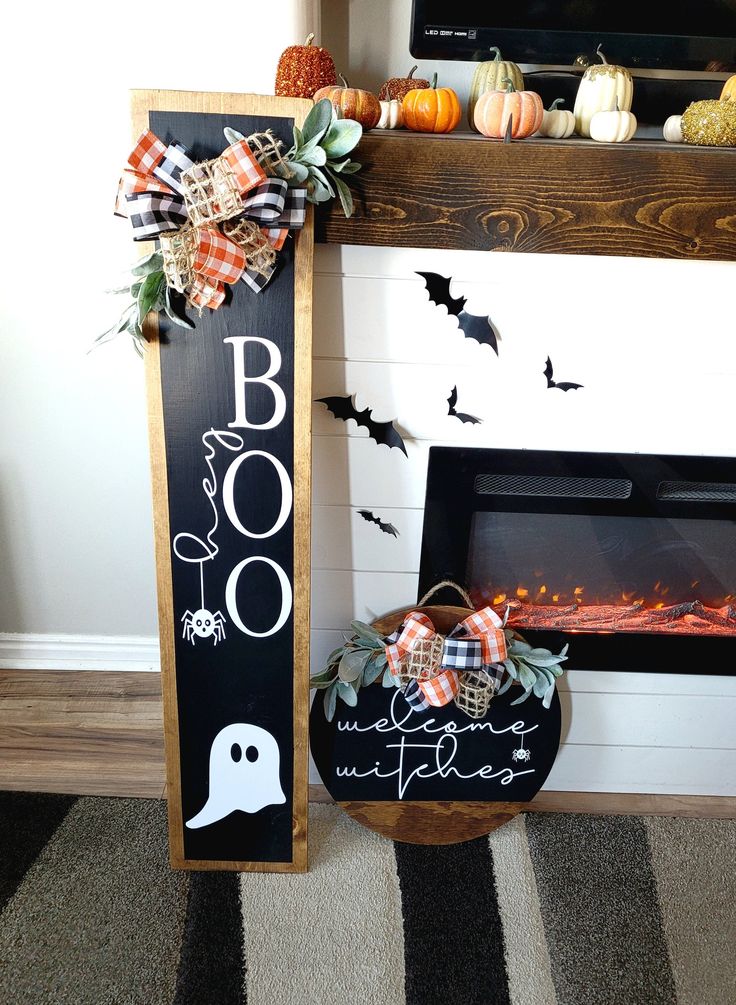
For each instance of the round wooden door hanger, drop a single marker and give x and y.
(433, 774)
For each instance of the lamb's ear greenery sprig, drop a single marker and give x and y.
(148, 291)
(536, 669)
(358, 663)
(318, 158)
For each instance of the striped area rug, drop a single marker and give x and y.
(552, 909)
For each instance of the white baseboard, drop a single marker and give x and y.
(79, 652)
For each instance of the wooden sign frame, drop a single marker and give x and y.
(144, 104)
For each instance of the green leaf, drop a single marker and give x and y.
(151, 263)
(298, 137)
(367, 633)
(347, 693)
(352, 663)
(527, 677)
(317, 190)
(346, 196)
(342, 137)
(388, 680)
(148, 294)
(300, 173)
(547, 700)
(540, 686)
(317, 156)
(317, 173)
(524, 697)
(372, 671)
(318, 121)
(511, 669)
(330, 701)
(505, 686)
(519, 648)
(232, 135)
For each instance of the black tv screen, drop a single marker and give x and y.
(640, 34)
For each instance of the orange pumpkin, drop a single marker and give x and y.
(431, 109)
(302, 69)
(352, 103)
(729, 89)
(494, 109)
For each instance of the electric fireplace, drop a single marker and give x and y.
(630, 558)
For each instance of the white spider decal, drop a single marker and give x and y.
(203, 624)
(521, 755)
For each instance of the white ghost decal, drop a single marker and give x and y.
(244, 773)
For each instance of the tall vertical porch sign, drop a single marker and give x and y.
(229, 427)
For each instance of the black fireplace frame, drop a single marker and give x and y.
(451, 500)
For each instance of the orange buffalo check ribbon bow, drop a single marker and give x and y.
(477, 643)
(151, 194)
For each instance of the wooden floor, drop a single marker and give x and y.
(100, 733)
(83, 732)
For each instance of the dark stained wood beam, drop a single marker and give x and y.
(644, 198)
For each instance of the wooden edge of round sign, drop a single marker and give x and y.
(417, 822)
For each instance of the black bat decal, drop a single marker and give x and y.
(462, 416)
(564, 385)
(387, 528)
(381, 432)
(474, 326)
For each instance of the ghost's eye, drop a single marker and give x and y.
(207, 624)
(252, 754)
(235, 752)
(199, 622)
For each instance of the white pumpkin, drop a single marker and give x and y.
(557, 123)
(392, 116)
(672, 129)
(612, 127)
(602, 89)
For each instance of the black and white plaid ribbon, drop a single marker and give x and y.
(462, 654)
(175, 161)
(153, 213)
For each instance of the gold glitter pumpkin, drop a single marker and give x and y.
(710, 123)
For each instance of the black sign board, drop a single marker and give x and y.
(383, 750)
(230, 447)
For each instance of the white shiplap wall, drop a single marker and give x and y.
(654, 345)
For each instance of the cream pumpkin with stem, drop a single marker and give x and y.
(603, 88)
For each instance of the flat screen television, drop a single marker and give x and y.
(675, 37)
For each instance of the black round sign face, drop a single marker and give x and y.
(383, 750)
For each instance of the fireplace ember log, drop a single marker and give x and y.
(691, 618)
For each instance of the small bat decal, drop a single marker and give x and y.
(387, 528)
(462, 416)
(564, 385)
(382, 432)
(473, 326)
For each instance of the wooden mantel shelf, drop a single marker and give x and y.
(461, 191)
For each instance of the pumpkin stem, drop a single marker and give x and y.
(433, 85)
(497, 57)
(509, 84)
(599, 53)
(555, 103)
(410, 74)
(344, 81)
(310, 38)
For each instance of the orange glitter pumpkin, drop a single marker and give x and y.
(303, 69)
(352, 103)
(431, 109)
(494, 109)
